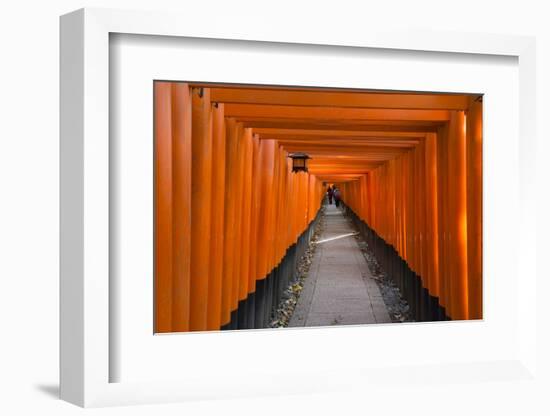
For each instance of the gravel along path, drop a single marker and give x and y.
(286, 307)
(398, 307)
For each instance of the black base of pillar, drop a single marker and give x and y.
(234, 316)
(257, 310)
(423, 306)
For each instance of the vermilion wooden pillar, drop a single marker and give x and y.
(291, 203)
(237, 134)
(474, 163)
(163, 207)
(254, 214)
(217, 210)
(282, 200)
(423, 217)
(267, 152)
(181, 161)
(272, 217)
(246, 206)
(231, 178)
(443, 214)
(172, 206)
(458, 218)
(432, 213)
(201, 194)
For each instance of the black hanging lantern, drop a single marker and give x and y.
(299, 162)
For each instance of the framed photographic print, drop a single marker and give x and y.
(229, 202)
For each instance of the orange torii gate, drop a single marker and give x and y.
(231, 217)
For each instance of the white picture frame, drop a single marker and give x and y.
(85, 221)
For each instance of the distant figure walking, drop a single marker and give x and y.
(336, 194)
(329, 193)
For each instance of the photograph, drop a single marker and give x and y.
(288, 206)
(246, 208)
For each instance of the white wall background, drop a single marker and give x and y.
(29, 102)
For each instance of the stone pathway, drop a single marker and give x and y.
(339, 288)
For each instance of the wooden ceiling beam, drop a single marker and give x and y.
(341, 175)
(333, 113)
(359, 126)
(369, 125)
(367, 157)
(338, 139)
(327, 160)
(337, 133)
(339, 171)
(339, 178)
(325, 98)
(306, 137)
(348, 167)
(376, 143)
(348, 148)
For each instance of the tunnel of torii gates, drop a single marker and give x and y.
(232, 219)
